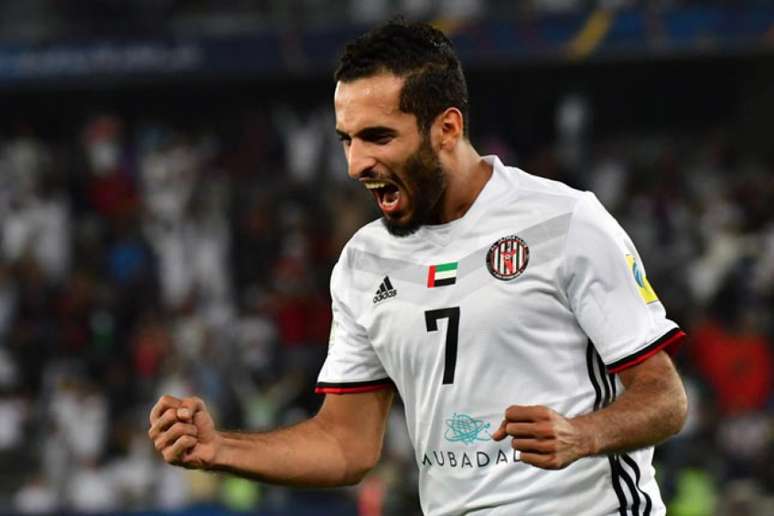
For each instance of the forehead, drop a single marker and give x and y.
(370, 101)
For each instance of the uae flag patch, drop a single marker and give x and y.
(442, 275)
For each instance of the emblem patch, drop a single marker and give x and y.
(643, 285)
(507, 258)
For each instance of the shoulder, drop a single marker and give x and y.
(583, 204)
(534, 201)
(358, 256)
(370, 238)
(547, 190)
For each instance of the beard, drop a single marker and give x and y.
(426, 184)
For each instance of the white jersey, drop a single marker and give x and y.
(536, 296)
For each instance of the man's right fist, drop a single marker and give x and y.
(183, 432)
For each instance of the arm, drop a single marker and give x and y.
(651, 409)
(336, 447)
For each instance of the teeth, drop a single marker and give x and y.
(373, 185)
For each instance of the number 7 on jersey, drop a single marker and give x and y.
(452, 333)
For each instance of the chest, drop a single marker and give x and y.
(459, 319)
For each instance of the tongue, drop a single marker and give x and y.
(389, 201)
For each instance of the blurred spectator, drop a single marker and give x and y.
(36, 221)
(36, 497)
(79, 410)
(738, 363)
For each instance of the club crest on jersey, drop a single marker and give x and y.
(507, 258)
(385, 291)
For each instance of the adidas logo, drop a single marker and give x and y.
(386, 291)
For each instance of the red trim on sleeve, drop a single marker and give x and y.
(668, 343)
(351, 390)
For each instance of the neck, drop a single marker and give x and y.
(466, 176)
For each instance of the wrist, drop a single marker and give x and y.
(588, 436)
(220, 455)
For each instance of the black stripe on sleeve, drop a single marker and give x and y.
(670, 338)
(381, 381)
(353, 387)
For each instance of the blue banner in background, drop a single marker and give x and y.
(631, 33)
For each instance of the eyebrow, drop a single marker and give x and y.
(369, 133)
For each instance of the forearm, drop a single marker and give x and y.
(306, 454)
(648, 412)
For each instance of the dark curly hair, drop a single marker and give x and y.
(420, 53)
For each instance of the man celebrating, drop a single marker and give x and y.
(511, 313)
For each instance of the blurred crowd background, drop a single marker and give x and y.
(175, 234)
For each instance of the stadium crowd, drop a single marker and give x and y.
(143, 257)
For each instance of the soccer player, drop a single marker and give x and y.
(511, 313)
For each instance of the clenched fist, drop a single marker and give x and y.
(544, 437)
(183, 431)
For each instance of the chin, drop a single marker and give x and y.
(401, 229)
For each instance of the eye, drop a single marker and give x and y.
(383, 140)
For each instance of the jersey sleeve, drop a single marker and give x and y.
(608, 290)
(352, 365)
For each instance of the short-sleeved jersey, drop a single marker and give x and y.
(536, 296)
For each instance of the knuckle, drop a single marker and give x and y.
(166, 419)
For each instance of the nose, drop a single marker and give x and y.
(359, 160)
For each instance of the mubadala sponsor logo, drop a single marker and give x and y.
(469, 459)
(469, 430)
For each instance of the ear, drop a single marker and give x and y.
(448, 128)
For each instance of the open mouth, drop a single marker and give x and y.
(387, 195)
